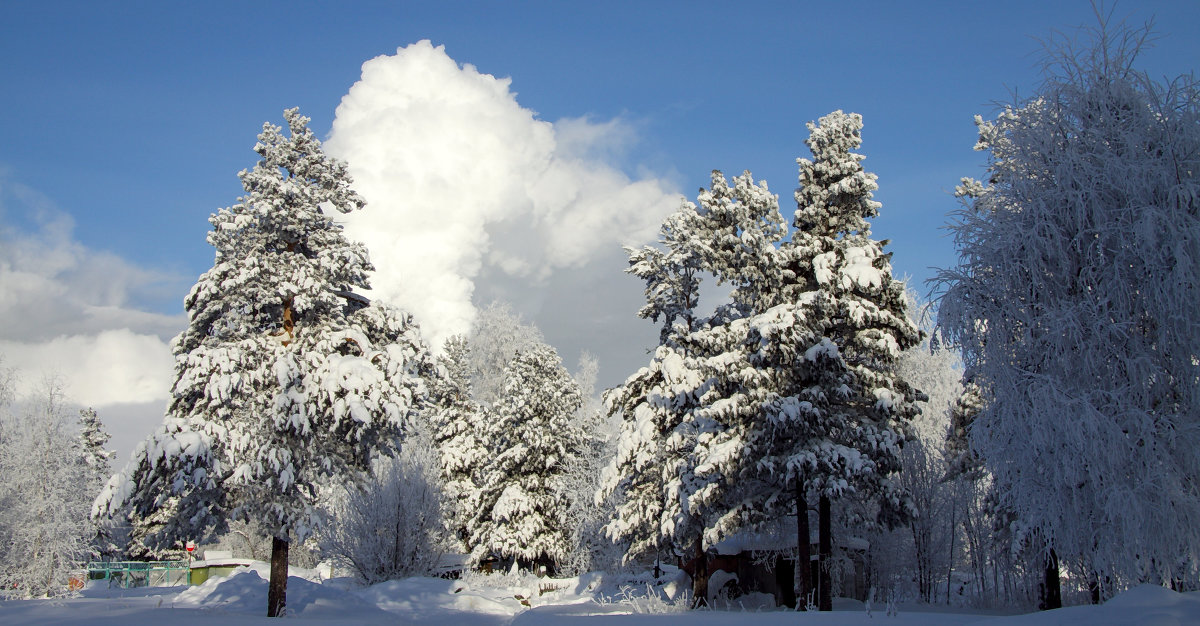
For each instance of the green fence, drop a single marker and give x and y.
(140, 573)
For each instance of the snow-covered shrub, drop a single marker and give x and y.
(650, 601)
(390, 526)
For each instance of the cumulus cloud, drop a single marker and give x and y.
(72, 312)
(111, 367)
(470, 195)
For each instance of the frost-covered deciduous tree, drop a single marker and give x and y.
(390, 526)
(586, 517)
(935, 368)
(45, 493)
(1074, 302)
(247, 540)
(284, 377)
(521, 506)
(496, 336)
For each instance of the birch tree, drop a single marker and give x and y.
(1073, 301)
(45, 534)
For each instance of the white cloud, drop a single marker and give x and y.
(75, 313)
(470, 196)
(111, 367)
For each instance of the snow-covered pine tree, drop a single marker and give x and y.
(845, 277)
(1074, 301)
(91, 440)
(691, 452)
(644, 480)
(745, 410)
(735, 475)
(457, 424)
(521, 508)
(803, 389)
(646, 476)
(284, 377)
(961, 460)
(733, 233)
(97, 464)
(768, 423)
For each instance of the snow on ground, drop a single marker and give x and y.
(486, 600)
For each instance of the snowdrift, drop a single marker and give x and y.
(484, 600)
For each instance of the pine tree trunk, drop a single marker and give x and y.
(277, 589)
(824, 555)
(803, 552)
(1052, 590)
(700, 576)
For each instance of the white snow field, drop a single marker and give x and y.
(242, 599)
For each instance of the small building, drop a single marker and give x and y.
(216, 564)
(761, 562)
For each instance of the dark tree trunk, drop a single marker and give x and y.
(277, 589)
(803, 548)
(1094, 588)
(700, 576)
(824, 555)
(953, 534)
(785, 582)
(1052, 588)
(544, 566)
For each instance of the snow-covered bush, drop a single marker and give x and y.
(390, 526)
(649, 601)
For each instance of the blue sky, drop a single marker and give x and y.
(124, 123)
